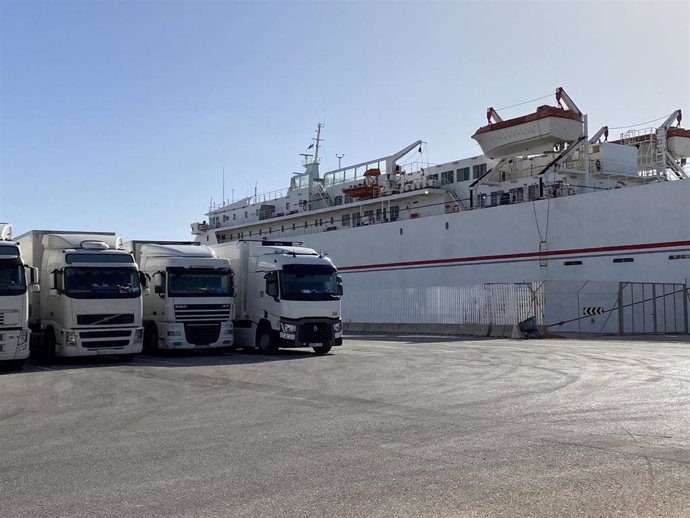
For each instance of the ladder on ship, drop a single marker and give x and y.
(323, 195)
(456, 199)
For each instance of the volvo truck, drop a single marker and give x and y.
(16, 282)
(90, 301)
(287, 296)
(192, 304)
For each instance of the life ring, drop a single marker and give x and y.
(571, 191)
(456, 208)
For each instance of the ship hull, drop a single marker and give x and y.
(576, 249)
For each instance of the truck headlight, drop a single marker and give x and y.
(228, 331)
(22, 342)
(288, 328)
(71, 339)
(138, 335)
(337, 327)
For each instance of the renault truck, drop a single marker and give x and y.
(192, 304)
(90, 301)
(287, 296)
(16, 282)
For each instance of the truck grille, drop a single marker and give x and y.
(94, 339)
(313, 332)
(202, 312)
(105, 319)
(202, 334)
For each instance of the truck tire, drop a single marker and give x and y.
(15, 365)
(265, 340)
(47, 356)
(151, 339)
(322, 350)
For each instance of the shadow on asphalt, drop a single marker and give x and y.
(415, 339)
(169, 359)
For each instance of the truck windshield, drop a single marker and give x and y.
(12, 279)
(199, 283)
(102, 283)
(308, 282)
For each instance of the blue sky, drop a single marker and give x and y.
(120, 115)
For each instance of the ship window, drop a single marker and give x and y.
(518, 194)
(447, 177)
(533, 192)
(395, 212)
(678, 256)
(447, 225)
(481, 200)
(305, 224)
(245, 214)
(478, 170)
(331, 220)
(433, 176)
(293, 226)
(338, 200)
(282, 228)
(463, 174)
(572, 263)
(346, 220)
(379, 215)
(320, 222)
(260, 231)
(347, 199)
(350, 175)
(256, 212)
(401, 232)
(250, 233)
(623, 260)
(356, 219)
(494, 197)
(234, 216)
(287, 206)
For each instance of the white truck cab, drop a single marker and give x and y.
(90, 300)
(287, 296)
(192, 304)
(15, 286)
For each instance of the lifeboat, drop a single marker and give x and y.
(530, 134)
(678, 142)
(368, 189)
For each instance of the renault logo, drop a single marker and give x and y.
(316, 328)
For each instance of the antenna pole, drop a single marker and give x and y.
(223, 176)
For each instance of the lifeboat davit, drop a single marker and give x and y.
(530, 134)
(678, 142)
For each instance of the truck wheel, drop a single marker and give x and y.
(266, 342)
(322, 350)
(48, 353)
(151, 339)
(15, 365)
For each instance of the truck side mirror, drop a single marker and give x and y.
(57, 284)
(33, 274)
(339, 284)
(144, 280)
(159, 283)
(271, 284)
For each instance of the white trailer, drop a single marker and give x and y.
(192, 306)
(90, 302)
(287, 296)
(14, 300)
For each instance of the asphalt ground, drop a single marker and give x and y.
(383, 426)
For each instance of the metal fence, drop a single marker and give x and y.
(646, 307)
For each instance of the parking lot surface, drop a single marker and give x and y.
(383, 426)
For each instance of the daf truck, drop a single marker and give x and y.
(192, 305)
(287, 296)
(90, 301)
(15, 286)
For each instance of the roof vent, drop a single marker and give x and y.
(94, 245)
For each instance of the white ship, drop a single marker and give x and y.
(549, 227)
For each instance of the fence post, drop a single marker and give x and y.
(620, 308)
(685, 305)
